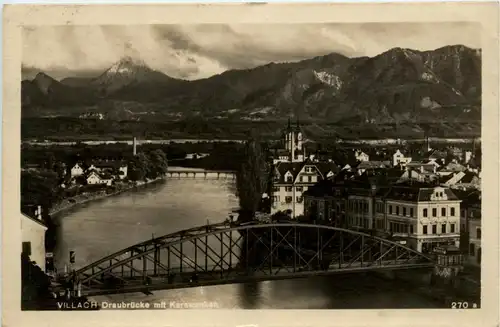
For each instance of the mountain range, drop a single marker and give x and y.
(399, 85)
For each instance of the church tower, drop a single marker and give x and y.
(294, 142)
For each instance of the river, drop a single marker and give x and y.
(97, 229)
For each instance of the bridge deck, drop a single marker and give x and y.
(233, 276)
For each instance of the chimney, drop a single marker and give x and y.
(38, 213)
(135, 146)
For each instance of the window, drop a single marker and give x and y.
(26, 248)
(425, 230)
(288, 199)
(472, 249)
(443, 228)
(425, 212)
(397, 211)
(390, 210)
(299, 188)
(452, 212)
(288, 189)
(478, 233)
(434, 212)
(276, 189)
(411, 212)
(452, 228)
(443, 212)
(411, 229)
(309, 179)
(404, 211)
(289, 179)
(434, 229)
(301, 178)
(299, 199)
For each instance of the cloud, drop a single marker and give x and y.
(200, 51)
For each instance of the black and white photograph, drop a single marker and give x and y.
(321, 165)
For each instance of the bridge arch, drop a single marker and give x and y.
(228, 253)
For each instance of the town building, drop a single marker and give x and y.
(77, 170)
(364, 166)
(33, 237)
(470, 226)
(93, 178)
(399, 159)
(347, 200)
(292, 179)
(361, 156)
(426, 215)
(102, 168)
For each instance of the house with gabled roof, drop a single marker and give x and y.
(292, 179)
(33, 230)
(94, 178)
(399, 159)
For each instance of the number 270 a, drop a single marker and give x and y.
(459, 305)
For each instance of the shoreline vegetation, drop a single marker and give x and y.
(77, 129)
(67, 204)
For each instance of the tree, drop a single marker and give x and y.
(158, 164)
(139, 167)
(251, 179)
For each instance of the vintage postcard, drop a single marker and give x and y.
(182, 164)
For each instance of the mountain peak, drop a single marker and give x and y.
(129, 60)
(127, 65)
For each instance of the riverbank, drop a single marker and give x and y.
(73, 202)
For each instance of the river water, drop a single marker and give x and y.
(100, 228)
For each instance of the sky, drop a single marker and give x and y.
(200, 51)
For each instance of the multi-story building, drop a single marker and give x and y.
(426, 215)
(33, 237)
(470, 227)
(292, 179)
(345, 201)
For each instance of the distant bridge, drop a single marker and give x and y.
(182, 172)
(227, 253)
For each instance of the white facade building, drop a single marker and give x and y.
(292, 179)
(398, 158)
(361, 156)
(33, 238)
(77, 170)
(426, 216)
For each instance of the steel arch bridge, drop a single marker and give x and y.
(229, 253)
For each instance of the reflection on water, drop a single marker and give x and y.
(104, 227)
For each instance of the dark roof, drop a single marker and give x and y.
(320, 189)
(326, 167)
(371, 165)
(436, 154)
(34, 219)
(468, 177)
(281, 152)
(295, 167)
(453, 166)
(470, 198)
(416, 191)
(446, 178)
